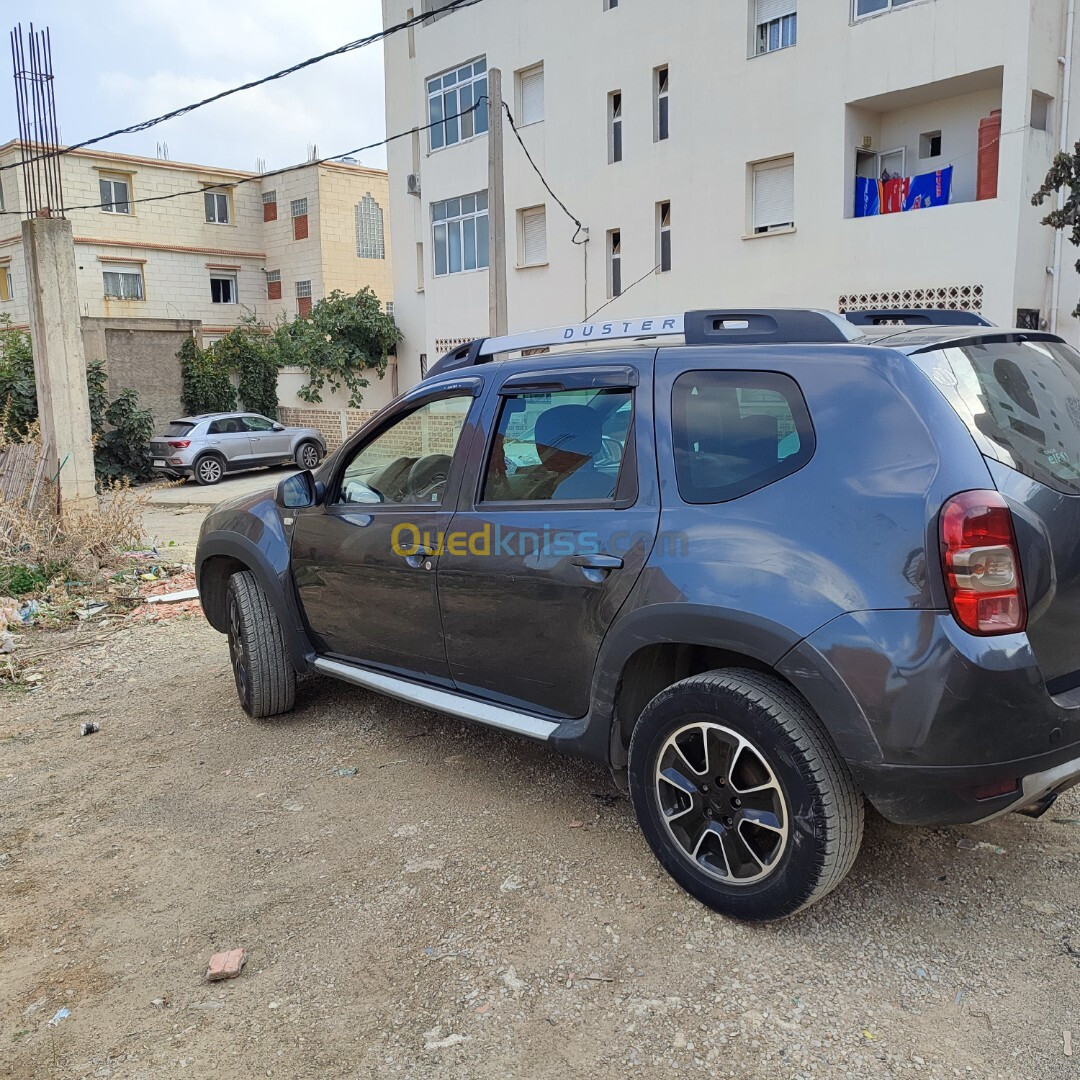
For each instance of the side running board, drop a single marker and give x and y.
(445, 701)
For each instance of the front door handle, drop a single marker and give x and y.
(597, 562)
(419, 558)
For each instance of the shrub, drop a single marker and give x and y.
(205, 383)
(18, 391)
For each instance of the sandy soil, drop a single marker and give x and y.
(465, 905)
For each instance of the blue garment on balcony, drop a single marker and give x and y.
(873, 197)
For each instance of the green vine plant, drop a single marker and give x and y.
(1064, 175)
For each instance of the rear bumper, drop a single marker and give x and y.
(929, 716)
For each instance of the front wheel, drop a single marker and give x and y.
(262, 669)
(308, 456)
(741, 795)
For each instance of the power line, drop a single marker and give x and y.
(454, 5)
(261, 176)
(623, 293)
(543, 180)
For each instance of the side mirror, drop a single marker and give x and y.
(300, 490)
(278, 427)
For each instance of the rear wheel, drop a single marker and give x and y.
(209, 469)
(263, 672)
(308, 455)
(741, 795)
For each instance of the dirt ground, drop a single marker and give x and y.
(465, 905)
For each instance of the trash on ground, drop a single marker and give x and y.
(981, 845)
(577, 824)
(345, 770)
(7, 642)
(61, 1014)
(89, 727)
(1066, 1038)
(160, 1003)
(174, 597)
(292, 807)
(226, 965)
(90, 610)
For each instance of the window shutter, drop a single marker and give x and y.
(534, 228)
(532, 96)
(774, 194)
(767, 10)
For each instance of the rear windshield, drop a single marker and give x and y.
(176, 429)
(1023, 397)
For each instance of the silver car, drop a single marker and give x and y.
(209, 446)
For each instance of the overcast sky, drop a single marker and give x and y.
(120, 64)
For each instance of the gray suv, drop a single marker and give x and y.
(213, 444)
(767, 573)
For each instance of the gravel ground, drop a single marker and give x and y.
(465, 905)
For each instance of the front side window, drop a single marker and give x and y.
(258, 423)
(736, 431)
(775, 21)
(123, 282)
(217, 207)
(408, 462)
(563, 445)
(450, 97)
(115, 195)
(460, 234)
(872, 7)
(1022, 398)
(223, 289)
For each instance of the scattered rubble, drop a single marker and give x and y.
(226, 965)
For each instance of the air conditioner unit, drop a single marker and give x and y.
(412, 183)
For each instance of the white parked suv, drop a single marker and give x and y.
(209, 446)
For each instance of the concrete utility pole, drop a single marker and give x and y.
(59, 363)
(496, 208)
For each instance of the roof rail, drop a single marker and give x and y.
(722, 326)
(915, 317)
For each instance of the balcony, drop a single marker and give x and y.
(919, 148)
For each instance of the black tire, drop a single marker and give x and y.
(760, 859)
(263, 672)
(308, 455)
(208, 469)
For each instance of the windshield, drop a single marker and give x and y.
(1023, 397)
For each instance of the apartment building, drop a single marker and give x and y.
(836, 153)
(165, 248)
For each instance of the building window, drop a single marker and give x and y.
(615, 126)
(776, 24)
(5, 283)
(774, 195)
(452, 94)
(390, 308)
(217, 207)
(115, 195)
(663, 236)
(123, 282)
(298, 209)
(872, 7)
(370, 229)
(269, 205)
(460, 234)
(435, 9)
(420, 267)
(660, 111)
(303, 299)
(223, 288)
(273, 284)
(531, 95)
(532, 235)
(1040, 112)
(614, 247)
(930, 144)
(610, 5)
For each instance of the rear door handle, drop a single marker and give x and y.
(598, 562)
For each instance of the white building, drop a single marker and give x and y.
(711, 148)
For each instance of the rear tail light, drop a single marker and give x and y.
(180, 444)
(982, 564)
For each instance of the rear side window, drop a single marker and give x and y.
(176, 430)
(737, 431)
(1023, 397)
(229, 425)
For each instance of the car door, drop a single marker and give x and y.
(559, 513)
(228, 436)
(364, 562)
(267, 445)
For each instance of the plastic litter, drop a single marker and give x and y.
(89, 727)
(344, 770)
(174, 597)
(982, 845)
(61, 1014)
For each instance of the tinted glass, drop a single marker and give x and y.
(568, 444)
(1022, 397)
(410, 460)
(737, 431)
(258, 423)
(229, 425)
(176, 430)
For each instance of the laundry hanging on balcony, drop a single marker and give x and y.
(900, 193)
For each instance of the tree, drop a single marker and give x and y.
(343, 337)
(1064, 175)
(18, 390)
(205, 385)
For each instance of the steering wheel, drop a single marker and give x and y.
(427, 477)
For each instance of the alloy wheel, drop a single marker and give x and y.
(210, 470)
(309, 456)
